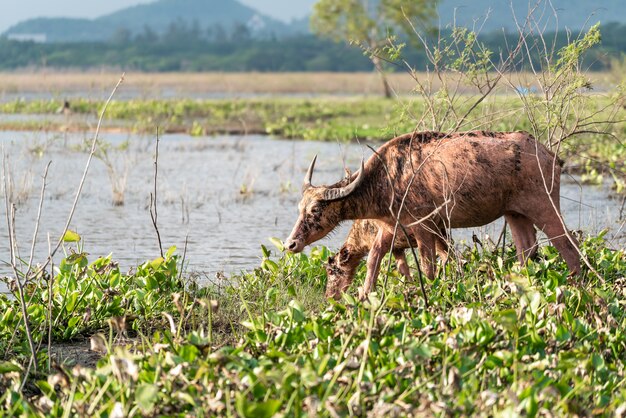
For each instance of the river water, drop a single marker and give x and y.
(221, 197)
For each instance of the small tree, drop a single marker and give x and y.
(370, 23)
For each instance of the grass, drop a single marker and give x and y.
(498, 338)
(322, 118)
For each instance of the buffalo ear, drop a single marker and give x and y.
(337, 193)
(344, 255)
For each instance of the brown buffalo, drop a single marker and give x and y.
(429, 181)
(342, 266)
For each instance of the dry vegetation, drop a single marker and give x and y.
(184, 84)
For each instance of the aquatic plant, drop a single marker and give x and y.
(498, 338)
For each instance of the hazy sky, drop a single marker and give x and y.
(12, 11)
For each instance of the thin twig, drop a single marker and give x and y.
(153, 197)
(10, 218)
(39, 209)
(50, 295)
(94, 144)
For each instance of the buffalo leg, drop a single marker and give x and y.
(524, 236)
(441, 248)
(381, 245)
(550, 223)
(427, 245)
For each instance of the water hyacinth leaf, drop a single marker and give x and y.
(72, 322)
(291, 291)
(278, 244)
(76, 258)
(248, 409)
(507, 318)
(157, 262)
(535, 302)
(266, 252)
(170, 252)
(151, 283)
(8, 367)
(297, 311)
(269, 265)
(421, 350)
(8, 316)
(146, 396)
(71, 302)
(71, 236)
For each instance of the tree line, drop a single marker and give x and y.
(185, 48)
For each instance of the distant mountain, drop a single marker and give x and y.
(572, 14)
(157, 16)
(203, 14)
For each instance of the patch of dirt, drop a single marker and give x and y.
(75, 353)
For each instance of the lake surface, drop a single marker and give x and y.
(222, 196)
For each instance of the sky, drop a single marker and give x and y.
(12, 12)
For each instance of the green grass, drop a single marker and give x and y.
(497, 338)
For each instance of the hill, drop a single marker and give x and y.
(158, 17)
(229, 15)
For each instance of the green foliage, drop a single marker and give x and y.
(371, 24)
(498, 338)
(367, 22)
(85, 296)
(562, 108)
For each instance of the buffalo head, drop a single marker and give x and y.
(320, 209)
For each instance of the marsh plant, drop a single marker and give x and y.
(119, 160)
(16, 191)
(497, 338)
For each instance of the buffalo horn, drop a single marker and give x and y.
(309, 175)
(341, 192)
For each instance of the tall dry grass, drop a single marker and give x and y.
(158, 85)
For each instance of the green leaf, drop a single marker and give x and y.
(146, 396)
(278, 244)
(71, 236)
(73, 321)
(507, 318)
(151, 283)
(76, 258)
(170, 251)
(156, 263)
(297, 311)
(266, 252)
(422, 350)
(8, 367)
(250, 409)
(71, 302)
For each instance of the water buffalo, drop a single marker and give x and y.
(429, 181)
(342, 266)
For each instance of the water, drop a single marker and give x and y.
(221, 197)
